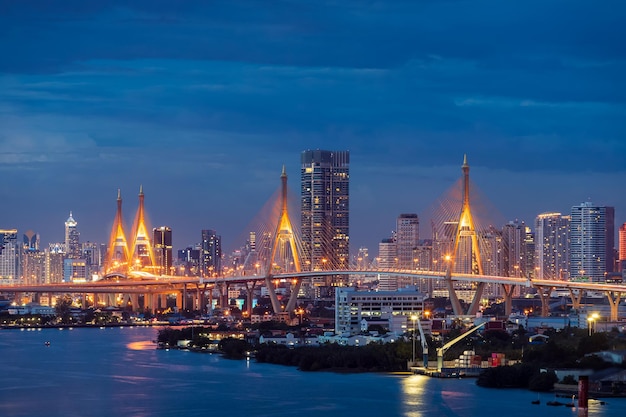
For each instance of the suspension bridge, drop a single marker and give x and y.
(462, 258)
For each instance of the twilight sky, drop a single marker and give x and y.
(203, 102)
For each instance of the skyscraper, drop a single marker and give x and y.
(211, 253)
(162, 240)
(72, 238)
(325, 223)
(9, 257)
(407, 240)
(592, 239)
(552, 246)
(622, 247)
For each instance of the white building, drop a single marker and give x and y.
(392, 307)
(592, 239)
(9, 257)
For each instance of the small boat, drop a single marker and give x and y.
(47, 343)
(554, 403)
(535, 402)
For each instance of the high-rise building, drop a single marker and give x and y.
(188, 261)
(31, 240)
(72, 238)
(407, 240)
(518, 250)
(552, 246)
(211, 253)
(592, 241)
(9, 257)
(325, 222)
(54, 265)
(622, 247)
(162, 241)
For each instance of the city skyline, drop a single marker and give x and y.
(203, 105)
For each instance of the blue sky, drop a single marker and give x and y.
(203, 103)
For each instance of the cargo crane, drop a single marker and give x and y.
(444, 348)
(424, 344)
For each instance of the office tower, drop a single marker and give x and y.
(9, 257)
(592, 239)
(162, 240)
(189, 261)
(93, 256)
(622, 247)
(72, 238)
(552, 246)
(387, 254)
(362, 258)
(518, 247)
(211, 253)
(407, 240)
(325, 180)
(54, 265)
(75, 270)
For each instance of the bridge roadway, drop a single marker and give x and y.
(146, 283)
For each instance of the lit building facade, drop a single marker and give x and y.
(622, 247)
(72, 238)
(9, 257)
(407, 240)
(552, 256)
(325, 206)
(211, 253)
(352, 307)
(592, 241)
(162, 240)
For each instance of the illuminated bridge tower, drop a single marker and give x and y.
(117, 255)
(465, 257)
(284, 255)
(141, 249)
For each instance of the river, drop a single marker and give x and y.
(92, 372)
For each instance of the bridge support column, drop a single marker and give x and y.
(111, 300)
(295, 288)
(473, 309)
(576, 298)
(211, 299)
(454, 299)
(183, 300)
(163, 301)
(148, 302)
(544, 295)
(202, 297)
(134, 302)
(614, 298)
(272, 293)
(249, 294)
(508, 289)
(179, 300)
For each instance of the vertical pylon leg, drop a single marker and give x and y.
(291, 304)
(508, 289)
(272, 293)
(473, 309)
(249, 294)
(454, 299)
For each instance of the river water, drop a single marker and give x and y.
(118, 372)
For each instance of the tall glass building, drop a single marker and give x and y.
(325, 204)
(552, 246)
(592, 241)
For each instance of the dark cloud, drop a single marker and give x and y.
(204, 102)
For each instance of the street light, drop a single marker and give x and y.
(414, 318)
(591, 322)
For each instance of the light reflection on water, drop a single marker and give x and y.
(119, 372)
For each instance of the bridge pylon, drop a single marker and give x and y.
(283, 239)
(142, 254)
(117, 255)
(466, 253)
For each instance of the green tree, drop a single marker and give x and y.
(62, 308)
